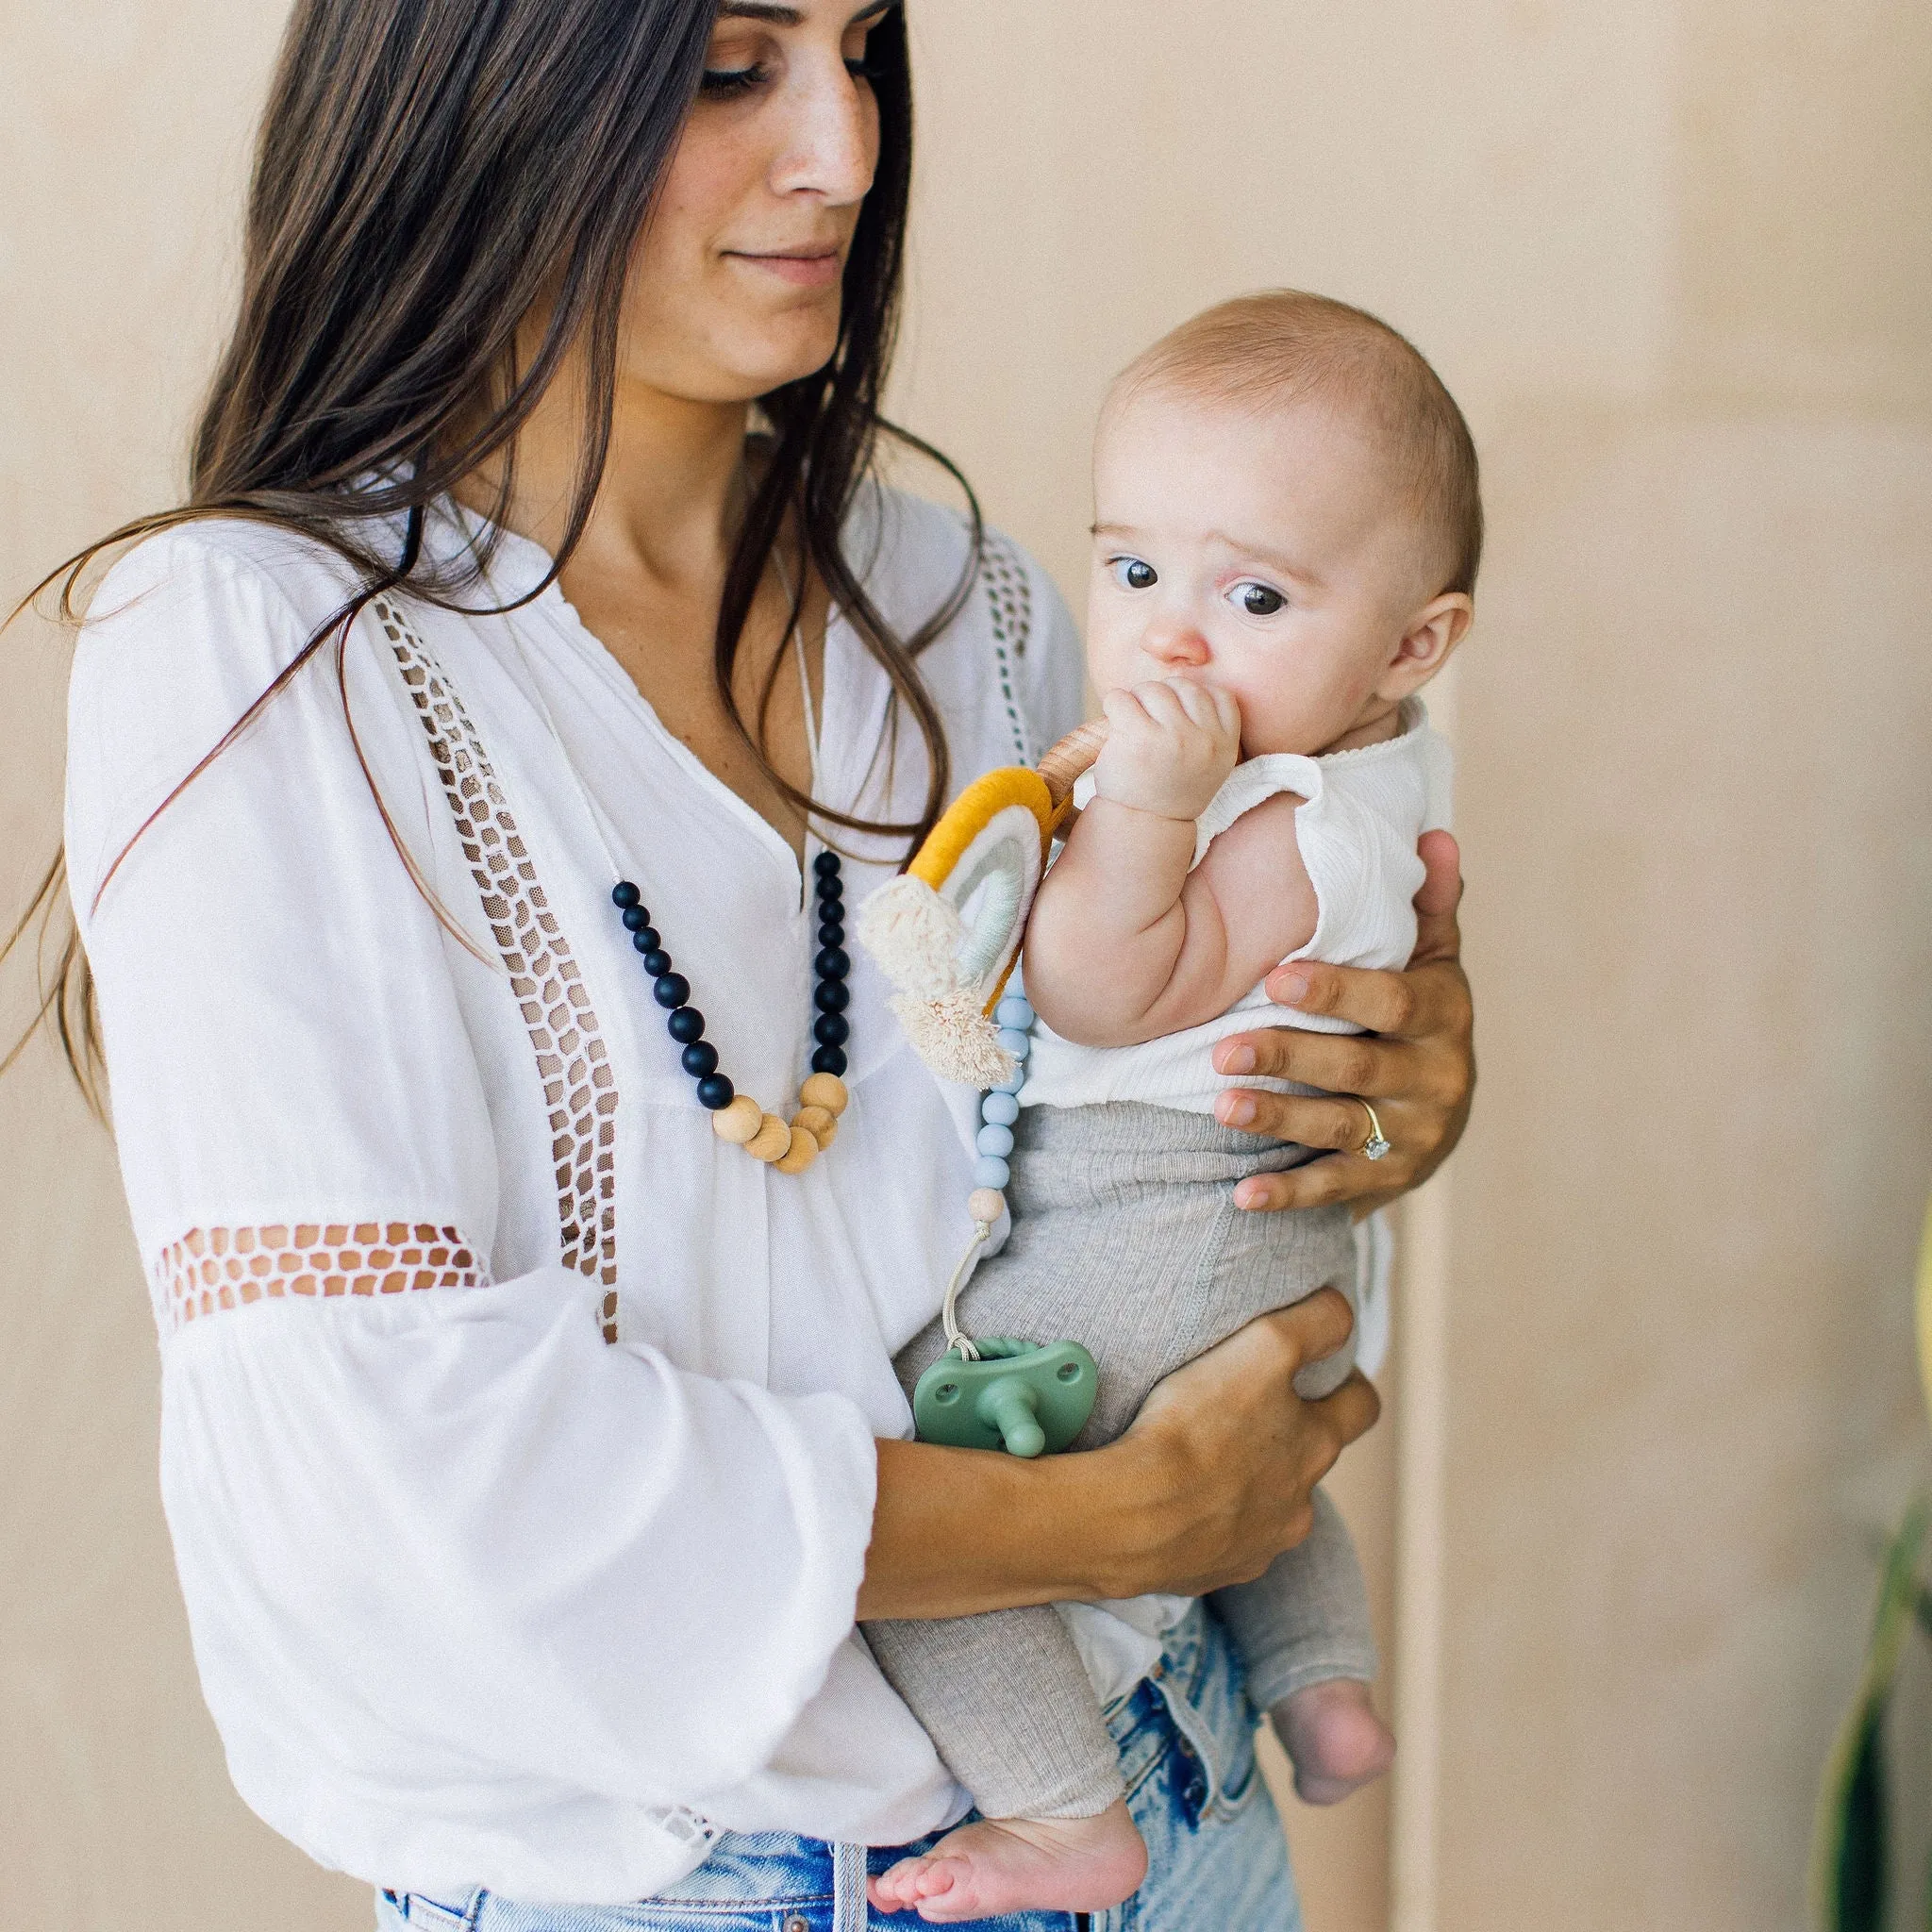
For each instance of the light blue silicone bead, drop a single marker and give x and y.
(988, 1173)
(1014, 1013)
(999, 1109)
(1015, 1043)
(996, 1142)
(1013, 1082)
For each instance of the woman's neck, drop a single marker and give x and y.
(648, 575)
(668, 500)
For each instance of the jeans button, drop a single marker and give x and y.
(795, 1923)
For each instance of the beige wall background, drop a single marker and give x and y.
(1653, 1398)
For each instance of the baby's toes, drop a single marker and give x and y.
(937, 1875)
(896, 1890)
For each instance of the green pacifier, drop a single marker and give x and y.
(1018, 1396)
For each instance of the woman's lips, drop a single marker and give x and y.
(812, 271)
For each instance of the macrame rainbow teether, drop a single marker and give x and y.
(947, 934)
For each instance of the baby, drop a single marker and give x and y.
(1287, 537)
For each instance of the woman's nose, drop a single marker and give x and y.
(832, 145)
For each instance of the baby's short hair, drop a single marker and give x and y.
(1283, 347)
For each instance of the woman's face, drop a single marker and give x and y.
(735, 284)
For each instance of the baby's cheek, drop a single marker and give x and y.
(1112, 654)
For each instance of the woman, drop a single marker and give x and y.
(529, 1450)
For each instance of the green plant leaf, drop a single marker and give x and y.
(1850, 1854)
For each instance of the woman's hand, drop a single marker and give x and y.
(1229, 1455)
(1416, 1062)
(1210, 1484)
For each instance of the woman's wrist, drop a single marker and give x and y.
(956, 1532)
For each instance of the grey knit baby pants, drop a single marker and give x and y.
(1125, 1237)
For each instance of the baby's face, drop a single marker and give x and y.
(1268, 555)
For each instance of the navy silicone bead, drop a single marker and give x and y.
(825, 864)
(700, 1059)
(833, 963)
(829, 1060)
(832, 1029)
(625, 896)
(832, 997)
(832, 933)
(686, 1026)
(831, 890)
(672, 989)
(635, 918)
(716, 1093)
(656, 962)
(647, 940)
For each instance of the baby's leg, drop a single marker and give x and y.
(1125, 1237)
(1007, 1702)
(1303, 1627)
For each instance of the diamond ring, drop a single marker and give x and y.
(1376, 1145)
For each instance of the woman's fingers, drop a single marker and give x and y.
(1313, 1330)
(1350, 1413)
(1431, 998)
(1335, 1179)
(1438, 936)
(1227, 1452)
(1336, 1062)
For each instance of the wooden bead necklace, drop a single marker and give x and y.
(789, 1147)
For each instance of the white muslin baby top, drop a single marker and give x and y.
(1362, 813)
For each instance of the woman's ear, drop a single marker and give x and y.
(1427, 638)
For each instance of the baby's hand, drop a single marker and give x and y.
(1170, 746)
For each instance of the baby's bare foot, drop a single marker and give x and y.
(1337, 1743)
(1019, 1865)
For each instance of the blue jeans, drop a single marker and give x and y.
(1218, 1861)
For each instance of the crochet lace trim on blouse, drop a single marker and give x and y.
(219, 1267)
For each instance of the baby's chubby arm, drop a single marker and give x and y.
(1124, 943)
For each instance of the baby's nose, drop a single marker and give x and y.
(1179, 645)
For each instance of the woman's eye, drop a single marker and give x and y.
(1258, 600)
(1130, 573)
(723, 82)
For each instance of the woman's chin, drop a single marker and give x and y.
(788, 342)
(752, 371)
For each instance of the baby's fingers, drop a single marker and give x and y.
(1124, 707)
(1162, 701)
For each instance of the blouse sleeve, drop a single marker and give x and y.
(442, 1541)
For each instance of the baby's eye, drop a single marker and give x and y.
(1130, 573)
(1258, 600)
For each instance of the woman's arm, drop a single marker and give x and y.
(1416, 1062)
(441, 1544)
(1210, 1484)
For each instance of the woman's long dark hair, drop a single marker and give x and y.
(429, 174)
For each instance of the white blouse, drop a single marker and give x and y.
(476, 1597)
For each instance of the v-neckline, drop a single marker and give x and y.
(555, 604)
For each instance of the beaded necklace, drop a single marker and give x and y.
(789, 1147)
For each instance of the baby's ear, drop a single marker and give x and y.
(1427, 638)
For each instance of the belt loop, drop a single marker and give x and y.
(848, 1889)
